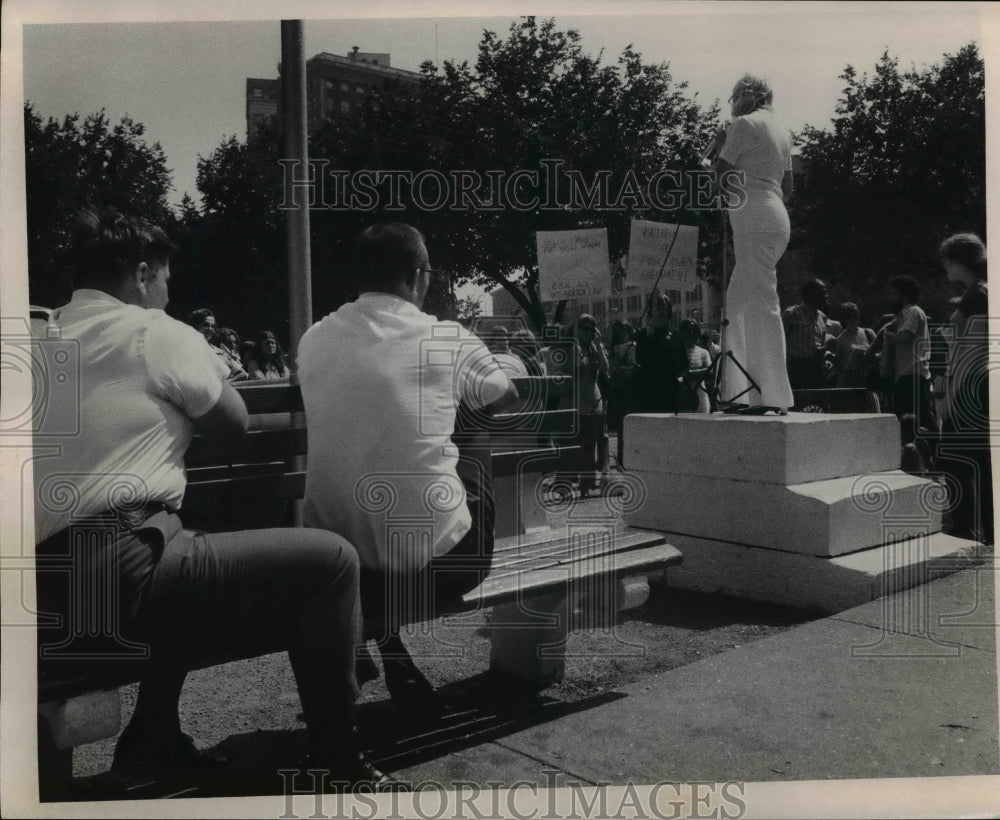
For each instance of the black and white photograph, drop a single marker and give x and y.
(550, 410)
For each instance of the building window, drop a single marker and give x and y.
(345, 107)
(674, 296)
(360, 89)
(697, 295)
(344, 87)
(634, 302)
(598, 310)
(616, 304)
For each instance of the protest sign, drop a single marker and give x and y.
(648, 246)
(573, 264)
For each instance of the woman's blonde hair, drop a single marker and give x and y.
(754, 88)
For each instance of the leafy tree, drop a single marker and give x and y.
(531, 99)
(469, 309)
(233, 248)
(901, 167)
(73, 163)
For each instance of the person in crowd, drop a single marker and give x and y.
(524, 345)
(661, 362)
(228, 341)
(706, 341)
(850, 347)
(906, 354)
(695, 396)
(382, 383)
(203, 320)
(268, 361)
(805, 331)
(147, 381)
(498, 342)
(756, 146)
(964, 452)
(621, 360)
(938, 364)
(592, 371)
(247, 349)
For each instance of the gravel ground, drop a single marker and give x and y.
(251, 710)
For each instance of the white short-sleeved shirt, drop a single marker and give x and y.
(381, 383)
(143, 376)
(760, 148)
(912, 351)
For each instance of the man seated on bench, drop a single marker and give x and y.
(381, 384)
(146, 380)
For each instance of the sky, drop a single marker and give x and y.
(186, 81)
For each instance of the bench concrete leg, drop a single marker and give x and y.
(529, 639)
(631, 592)
(519, 508)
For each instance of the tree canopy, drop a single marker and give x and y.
(902, 166)
(71, 164)
(541, 135)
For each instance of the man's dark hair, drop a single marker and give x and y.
(386, 254)
(906, 285)
(197, 317)
(965, 249)
(107, 246)
(812, 288)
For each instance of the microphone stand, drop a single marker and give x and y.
(727, 354)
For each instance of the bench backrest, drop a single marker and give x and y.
(258, 474)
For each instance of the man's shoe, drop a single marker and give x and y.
(357, 771)
(156, 757)
(411, 692)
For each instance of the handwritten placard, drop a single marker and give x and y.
(648, 246)
(573, 264)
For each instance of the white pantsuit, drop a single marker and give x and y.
(755, 335)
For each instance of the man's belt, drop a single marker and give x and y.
(120, 520)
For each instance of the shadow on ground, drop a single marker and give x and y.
(483, 709)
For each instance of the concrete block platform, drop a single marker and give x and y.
(823, 584)
(830, 517)
(792, 449)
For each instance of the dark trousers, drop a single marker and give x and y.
(390, 599)
(593, 441)
(170, 601)
(806, 374)
(912, 395)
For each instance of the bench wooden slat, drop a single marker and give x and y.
(277, 487)
(271, 397)
(542, 422)
(523, 585)
(255, 446)
(284, 397)
(511, 558)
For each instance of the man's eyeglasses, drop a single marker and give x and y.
(435, 271)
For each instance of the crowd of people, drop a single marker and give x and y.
(262, 359)
(326, 588)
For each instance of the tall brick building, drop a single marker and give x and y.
(335, 85)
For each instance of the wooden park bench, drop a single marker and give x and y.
(537, 576)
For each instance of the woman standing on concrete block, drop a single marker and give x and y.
(756, 146)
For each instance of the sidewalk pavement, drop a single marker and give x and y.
(904, 686)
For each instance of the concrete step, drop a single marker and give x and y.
(792, 449)
(813, 582)
(829, 517)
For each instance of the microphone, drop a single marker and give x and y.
(711, 153)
